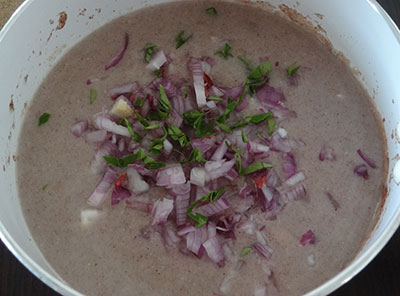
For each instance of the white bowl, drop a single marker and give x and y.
(30, 45)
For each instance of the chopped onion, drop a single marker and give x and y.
(202, 144)
(198, 176)
(289, 165)
(308, 238)
(157, 61)
(362, 171)
(214, 249)
(221, 150)
(161, 210)
(216, 169)
(182, 203)
(167, 147)
(170, 175)
(79, 127)
(195, 240)
(143, 206)
(119, 193)
(211, 209)
(102, 188)
(98, 164)
(181, 189)
(96, 136)
(196, 68)
(107, 124)
(123, 89)
(268, 94)
(366, 159)
(295, 192)
(186, 229)
(169, 236)
(136, 183)
(254, 147)
(295, 179)
(115, 60)
(226, 283)
(90, 215)
(327, 153)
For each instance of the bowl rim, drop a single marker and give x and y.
(327, 287)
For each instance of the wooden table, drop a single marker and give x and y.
(380, 278)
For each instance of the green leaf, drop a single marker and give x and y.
(43, 118)
(153, 115)
(181, 39)
(271, 125)
(211, 11)
(256, 166)
(177, 135)
(238, 160)
(292, 69)
(92, 96)
(245, 251)
(158, 144)
(138, 102)
(135, 136)
(260, 136)
(149, 50)
(44, 187)
(164, 105)
(185, 93)
(244, 137)
(121, 162)
(193, 116)
(212, 98)
(228, 110)
(196, 156)
(212, 196)
(194, 119)
(153, 126)
(247, 62)
(141, 119)
(258, 118)
(224, 127)
(149, 162)
(157, 73)
(225, 52)
(155, 165)
(261, 70)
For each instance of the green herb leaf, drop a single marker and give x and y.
(211, 11)
(44, 187)
(259, 136)
(258, 118)
(164, 105)
(149, 162)
(260, 71)
(292, 69)
(121, 162)
(153, 126)
(155, 165)
(196, 156)
(212, 98)
(247, 62)
(256, 166)
(92, 96)
(181, 39)
(228, 110)
(194, 119)
(245, 251)
(153, 115)
(43, 118)
(185, 93)
(135, 136)
(271, 125)
(158, 144)
(212, 196)
(244, 137)
(224, 127)
(177, 135)
(138, 102)
(141, 119)
(157, 73)
(149, 50)
(238, 160)
(225, 52)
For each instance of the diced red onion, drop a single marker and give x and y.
(212, 229)
(170, 175)
(195, 239)
(141, 169)
(79, 127)
(227, 281)
(211, 209)
(157, 61)
(295, 192)
(186, 229)
(96, 136)
(115, 60)
(102, 188)
(107, 124)
(268, 94)
(161, 210)
(327, 153)
(262, 250)
(143, 206)
(254, 147)
(119, 193)
(247, 226)
(282, 144)
(308, 238)
(167, 147)
(182, 203)
(175, 119)
(198, 176)
(128, 88)
(362, 171)
(214, 249)
(296, 178)
(289, 165)
(135, 181)
(98, 164)
(171, 90)
(232, 175)
(169, 236)
(202, 144)
(121, 145)
(196, 68)
(366, 159)
(221, 150)
(181, 189)
(216, 169)
(178, 104)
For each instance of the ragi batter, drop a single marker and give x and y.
(109, 257)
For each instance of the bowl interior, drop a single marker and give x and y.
(372, 47)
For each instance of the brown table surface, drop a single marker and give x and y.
(380, 278)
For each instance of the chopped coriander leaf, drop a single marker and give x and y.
(196, 156)
(153, 115)
(44, 187)
(158, 144)
(256, 166)
(92, 96)
(155, 165)
(259, 136)
(225, 52)
(141, 119)
(149, 50)
(192, 117)
(212, 98)
(253, 84)
(212, 196)
(258, 118)
(177, 135)
(228, 110)
(261, 70)
(180, 39)
(164, 105)
(185, 93)
(153, 126)
(224, 127)
(244, 137)
(292, 69)
(149, 162)
(121, 162)
(204, 129)
(245, 251)
(157, 73)
(271, 125)
(238, 160)
(183, 158)
(135, 136)
(211, 11)
(247, 62)
(138, 102)
(243, 91)
(44, 118)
